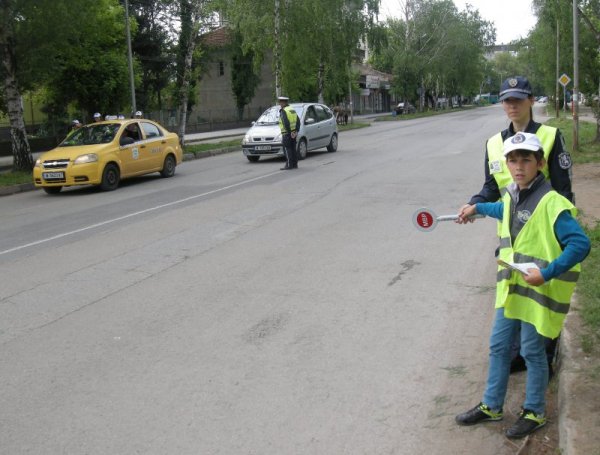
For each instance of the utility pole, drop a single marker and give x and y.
(556, 102)
(130, 58)
(575, 97)
(277, 49)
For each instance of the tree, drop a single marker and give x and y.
(153, 47)
(244, 78)
(194, 16)
(435, 50)
(315, 45)
(22, 158)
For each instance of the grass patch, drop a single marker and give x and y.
(353, 126)
(208, 146)
(394, 118)
(15, 178)
(589, 152)
(588, 291)
(588, 286)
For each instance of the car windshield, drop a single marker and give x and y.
(271, 115)
(92, 134)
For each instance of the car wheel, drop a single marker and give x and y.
(333, 144)
(253, 159)
(110, 178)
(52, 189)
(302, 149)
(169, 165)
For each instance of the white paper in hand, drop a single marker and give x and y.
(519, 266)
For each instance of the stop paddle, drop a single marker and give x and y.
(426, 220)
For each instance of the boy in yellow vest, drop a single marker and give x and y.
(538, 229)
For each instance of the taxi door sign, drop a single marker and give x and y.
(135, 153)
(564, 80)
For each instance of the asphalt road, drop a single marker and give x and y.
(240, 309)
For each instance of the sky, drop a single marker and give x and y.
(512, 18)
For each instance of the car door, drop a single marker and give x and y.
(311, 127)
(326, 124)
(132, 157)
(153, 146)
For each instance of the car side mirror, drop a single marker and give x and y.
(126, 140)
(309, 121)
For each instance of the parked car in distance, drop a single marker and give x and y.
(405, 108)
(103, 153)
(318, 129)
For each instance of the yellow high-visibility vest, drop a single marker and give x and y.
(543, 306)
(292, 117)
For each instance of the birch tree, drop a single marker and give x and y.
(22, 158)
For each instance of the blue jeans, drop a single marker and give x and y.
(534, 353)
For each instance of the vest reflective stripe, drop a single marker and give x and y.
(291, 116)
(495, 148)
(543, 306)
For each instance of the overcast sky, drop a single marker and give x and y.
(512, 18)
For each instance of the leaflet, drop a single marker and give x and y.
(519, 267)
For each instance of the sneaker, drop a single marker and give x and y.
(480, 413)
(528, 422)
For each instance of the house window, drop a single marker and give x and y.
(221, 68)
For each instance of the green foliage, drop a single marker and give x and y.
(244, 78)
(76, 49)
(316, 43)
(153, 47)
(437, 47)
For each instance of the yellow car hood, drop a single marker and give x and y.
(73, 152)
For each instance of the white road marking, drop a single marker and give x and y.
(131, 215)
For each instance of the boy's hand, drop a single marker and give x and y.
(534, 278)
(465, 212)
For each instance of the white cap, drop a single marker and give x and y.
(282, 98)
(522, 141)
(97, 114)
(139, 113)
(75, 122)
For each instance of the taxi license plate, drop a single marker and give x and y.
(263, 147)
(53, 175)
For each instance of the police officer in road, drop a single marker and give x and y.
(289, 124)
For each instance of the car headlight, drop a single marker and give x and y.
(88, 158)
(278, 138)
(38, 163)
(246, 139)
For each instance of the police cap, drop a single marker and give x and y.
(515, 87)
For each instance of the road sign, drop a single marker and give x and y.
(564, 80)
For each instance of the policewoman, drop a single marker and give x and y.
(289, 124)
(517, 101)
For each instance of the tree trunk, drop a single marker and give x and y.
(22, 158)
(321, 83)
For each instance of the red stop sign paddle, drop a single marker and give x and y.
(426, 220)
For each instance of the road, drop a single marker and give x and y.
(240, 309)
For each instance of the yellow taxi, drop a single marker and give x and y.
(105, 152)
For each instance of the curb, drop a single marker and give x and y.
(14, 189)
(576, 434)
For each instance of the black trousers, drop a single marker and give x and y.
(289, 146)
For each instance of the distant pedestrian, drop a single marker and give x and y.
(75, 125)
(289, 124)
(139, 114)
(97, 117)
